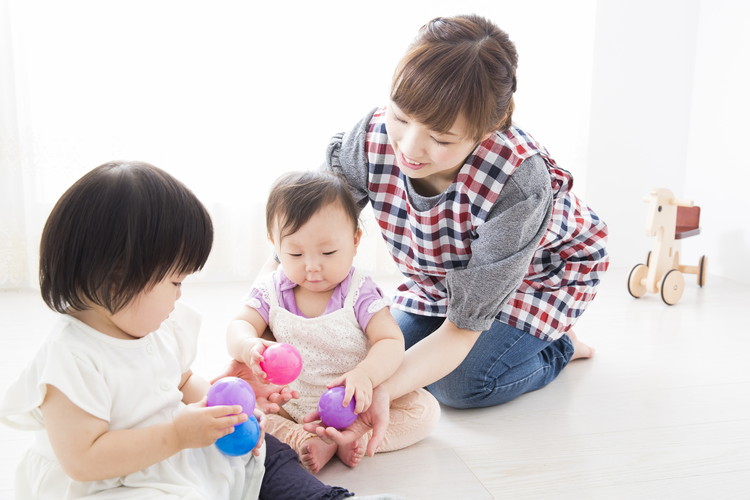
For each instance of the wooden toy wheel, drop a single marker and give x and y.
(672, 287)
(636, 286)
(648, 258)
(702, 265)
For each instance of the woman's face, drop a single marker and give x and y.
(430, 159)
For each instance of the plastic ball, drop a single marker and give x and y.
(242, 440)
(331, 410)
(232, 391)
(282, 363)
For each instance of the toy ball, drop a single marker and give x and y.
(242, 440)
(282, 363)
(232, 391)
(331, 410)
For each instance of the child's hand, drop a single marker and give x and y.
(359, 385)
(253, 355)
(198, 425)
(268, 397)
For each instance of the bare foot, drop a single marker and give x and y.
(352, 453)
(316, 454)
(581, 350)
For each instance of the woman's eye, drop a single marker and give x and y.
(441, 143)
(178, 284)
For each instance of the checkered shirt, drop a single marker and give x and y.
(565, 268)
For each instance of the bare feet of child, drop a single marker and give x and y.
(352, 453)
(581, 350)
(316, 454)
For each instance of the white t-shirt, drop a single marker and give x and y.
(130, 384)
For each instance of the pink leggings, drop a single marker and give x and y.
(413, 417)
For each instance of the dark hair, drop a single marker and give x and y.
(458, 65)
(119, 230)
(297, 196)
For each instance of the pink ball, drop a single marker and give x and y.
(282, 364)
(232, 391)
(331, 410)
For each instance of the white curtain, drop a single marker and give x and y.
(227, 95)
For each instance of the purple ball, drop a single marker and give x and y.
(232, 391)
(331, 410)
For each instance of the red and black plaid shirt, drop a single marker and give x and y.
(563, 272)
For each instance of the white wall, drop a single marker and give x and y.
(669, 108)
(226, 95)
(718, 163)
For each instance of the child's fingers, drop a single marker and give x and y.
(231, 420)
(222, 410)
(337, 382)
(362, 402)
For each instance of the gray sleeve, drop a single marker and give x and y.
(346, 156)
(503, 249)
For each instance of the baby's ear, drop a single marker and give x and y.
(357, 237)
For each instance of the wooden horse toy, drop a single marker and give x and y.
(670, 220)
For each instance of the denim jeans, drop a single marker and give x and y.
(503, 364)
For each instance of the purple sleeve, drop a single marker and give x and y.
(256, 301)
(369, 301)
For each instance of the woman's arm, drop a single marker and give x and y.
(428, 360)
(431, 359)
(89, 451)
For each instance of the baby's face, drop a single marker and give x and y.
(319, 255)
(140, 316)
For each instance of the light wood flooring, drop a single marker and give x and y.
(661, 411)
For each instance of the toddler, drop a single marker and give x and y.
(331, 312)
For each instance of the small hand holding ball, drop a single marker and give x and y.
(331, 410)
(282, 363)
(235, 391)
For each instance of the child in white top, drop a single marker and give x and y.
(116, 409)
(332, 313)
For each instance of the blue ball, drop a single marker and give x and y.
(242, 440)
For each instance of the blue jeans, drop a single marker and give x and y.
(503, 364)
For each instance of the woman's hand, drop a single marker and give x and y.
(198, 425)
(375, 419)
(268, 397)
(357, 384)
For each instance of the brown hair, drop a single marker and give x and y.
(119, 230)
(297, 196)
(458, 65)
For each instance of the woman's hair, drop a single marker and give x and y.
(462, 65)
(297, 196)
(119, 230)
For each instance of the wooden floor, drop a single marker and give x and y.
(661, 411)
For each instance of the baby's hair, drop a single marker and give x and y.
(297, 196)
(462, 65)
(119, 230)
